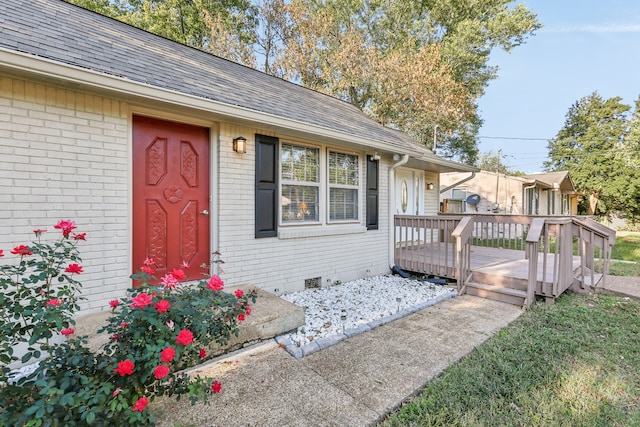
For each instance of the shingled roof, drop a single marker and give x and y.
(66, 34)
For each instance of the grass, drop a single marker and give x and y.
(574, 363)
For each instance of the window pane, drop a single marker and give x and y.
(343, 169)
(299, 203)
(458, 194)
(300, 163)
(343, 204)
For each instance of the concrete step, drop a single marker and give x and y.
(271, 316)
(497, 293)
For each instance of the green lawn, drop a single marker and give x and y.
(574, 363)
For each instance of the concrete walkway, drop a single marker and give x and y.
(624, 286)
(354, 383)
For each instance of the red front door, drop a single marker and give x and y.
(170, 195)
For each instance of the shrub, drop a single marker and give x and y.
(156, 332)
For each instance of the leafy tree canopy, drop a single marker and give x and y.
(599, 146)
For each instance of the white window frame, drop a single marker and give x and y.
(357, 187)
(324, 186)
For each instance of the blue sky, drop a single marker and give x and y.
(584, 46)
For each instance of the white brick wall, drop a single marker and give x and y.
(64, 155)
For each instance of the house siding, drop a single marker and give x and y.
(64, 155)
(281, 265)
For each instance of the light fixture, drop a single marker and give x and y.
(430, 186)
(240, 144)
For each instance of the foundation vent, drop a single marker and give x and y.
(312, 283)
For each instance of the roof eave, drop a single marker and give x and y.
(80, 78)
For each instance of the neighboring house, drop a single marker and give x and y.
(550, 193)
(138, 139)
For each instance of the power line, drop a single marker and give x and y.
(508, 137)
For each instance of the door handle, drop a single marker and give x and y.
(205, 212)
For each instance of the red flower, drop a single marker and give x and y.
(161, 371)
(39, 231)
(140, 404)
(148, 262)
(216, 386)
(79, 236)
(21, 250)
(168, 281)
(241, 317)
(1, 252)
(66, 226)
(53, 302)
(67, 331)
(125, 368)
(162, 306)
(73, 268)
(141, 300)
(239, 293)
(167, 354)
(117, 391)
(215, 283)
(249, 310)
(203, 353)
(185, 337)
(184, 265)
(124, 324)
(148, 270)
(178, 274)
(114, 303)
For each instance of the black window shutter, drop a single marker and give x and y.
(266, 186)
(372, 193)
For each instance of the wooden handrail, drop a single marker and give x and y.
(462, 233)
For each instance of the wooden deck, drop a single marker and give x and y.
(460, 249)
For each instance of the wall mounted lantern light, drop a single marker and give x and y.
(240, 144)
(430, 186)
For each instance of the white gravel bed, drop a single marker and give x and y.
(337, 312)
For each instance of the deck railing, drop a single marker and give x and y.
(441, 246)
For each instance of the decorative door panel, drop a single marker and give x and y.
(170, 195)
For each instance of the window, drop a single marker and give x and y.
(318, 186)
(343, 186)
(300, 172)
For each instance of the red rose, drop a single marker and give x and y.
(1, 252)
(162, 306)
(53, 302)
(141, 300)
(215, 283)
(67, 331)
(239, 293)
(148, 270)
(125, 368)
(79, 236)
(140, 404)
(66, 226)
(216, 387)
(114, 303)
(185, 337)
(203, 353)
(178, 274)
(73, 268)
(161, 371)
(248, 310)
(169, 282)
(241, 317)
(39, 231)
(148, 262)
(21, 250)
(167, 354)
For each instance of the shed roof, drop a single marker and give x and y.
(64, 34)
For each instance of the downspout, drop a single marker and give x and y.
(392, 204)
(455, 184)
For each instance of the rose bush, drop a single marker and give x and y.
(155, 333)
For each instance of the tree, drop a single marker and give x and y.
(412, 65)
(492, 162)
(598, 146)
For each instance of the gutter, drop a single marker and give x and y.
(392, 203)
(455, 184)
